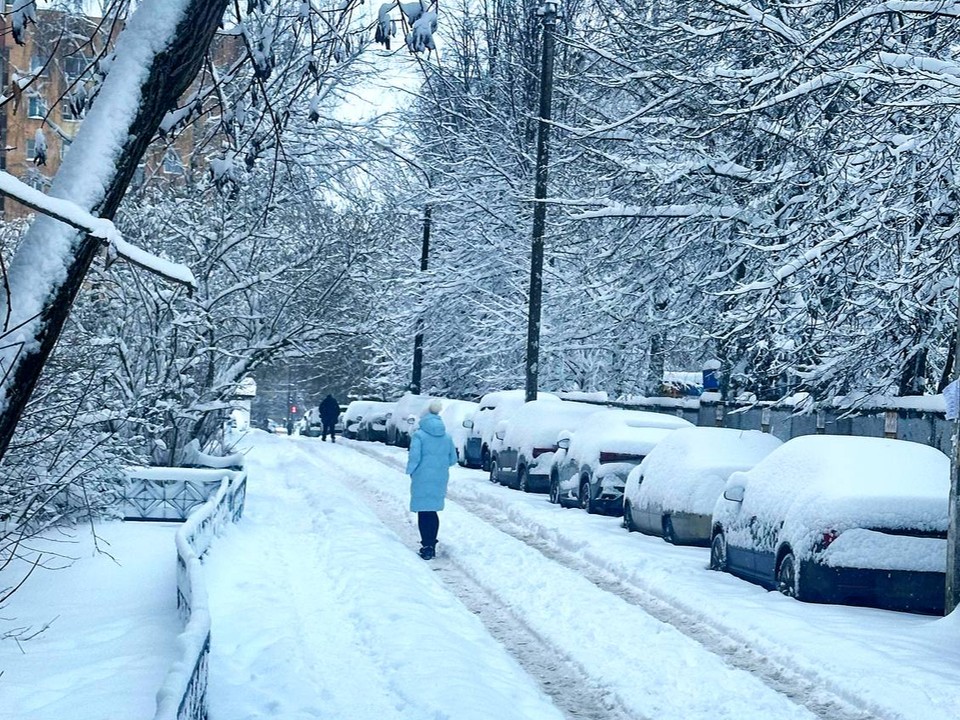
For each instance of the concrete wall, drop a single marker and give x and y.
(926, 427)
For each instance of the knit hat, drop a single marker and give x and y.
(435, 407)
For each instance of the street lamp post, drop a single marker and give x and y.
(548, 11)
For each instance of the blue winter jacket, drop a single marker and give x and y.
(431, 455)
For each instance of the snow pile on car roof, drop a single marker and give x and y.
(687, 471)
(633, 432)
(497, 406)
(359, 408)
(821, 483)
(538, 423)
(453, 414)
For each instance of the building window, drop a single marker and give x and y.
(37, 107)
(172, 165)
(32, 155)
(74, 66)
(66, 110)
(38, 65)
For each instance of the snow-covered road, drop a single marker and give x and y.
(321, 608)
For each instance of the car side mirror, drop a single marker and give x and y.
(734, 494)
(500, 434)
(563, 443)
(411, 420)
(468, 424)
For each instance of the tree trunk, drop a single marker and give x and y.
(169, 76)
(913, 375)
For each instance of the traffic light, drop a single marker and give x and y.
(293, 409)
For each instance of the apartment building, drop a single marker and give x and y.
(42, 81)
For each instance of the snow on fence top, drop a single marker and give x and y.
(183, 695)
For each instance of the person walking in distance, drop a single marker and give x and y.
(431, 455)
(329, 414)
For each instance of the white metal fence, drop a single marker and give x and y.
(184, 692)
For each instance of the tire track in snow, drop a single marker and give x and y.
(799, 686)
(570, 687)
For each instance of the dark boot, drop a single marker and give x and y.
(428, 552)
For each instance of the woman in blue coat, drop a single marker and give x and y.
(431, 455)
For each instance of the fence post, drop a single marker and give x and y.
(765, 420)
(890, 418)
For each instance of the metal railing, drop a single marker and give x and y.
(166, 493)
(184, 692)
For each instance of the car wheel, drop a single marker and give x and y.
(494, 471)
(586, 502)
(523, 480)
(554, 490)
(718, 553)
(787, 576)
(668, 533)
(628, 522)
(485, 460)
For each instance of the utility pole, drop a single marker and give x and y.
(289, 401)
(952, 599)
(418, 338)
(548, 11)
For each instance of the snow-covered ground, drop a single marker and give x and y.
(321, 608)
(112, 625)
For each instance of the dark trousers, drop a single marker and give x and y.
(329, 428)
(429, 524)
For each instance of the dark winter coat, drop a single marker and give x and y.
(329, 410)
(431, 455)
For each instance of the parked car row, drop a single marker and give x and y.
(394, 423)
(367, 420)
(842, 519)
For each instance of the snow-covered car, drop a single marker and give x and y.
(453, 414)
(527, 441)
(311, 425)
(373, 426)
(494, 407)
(357, 410)
(841, 519)
(405, 418)
(591, 469)
(672, 493)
